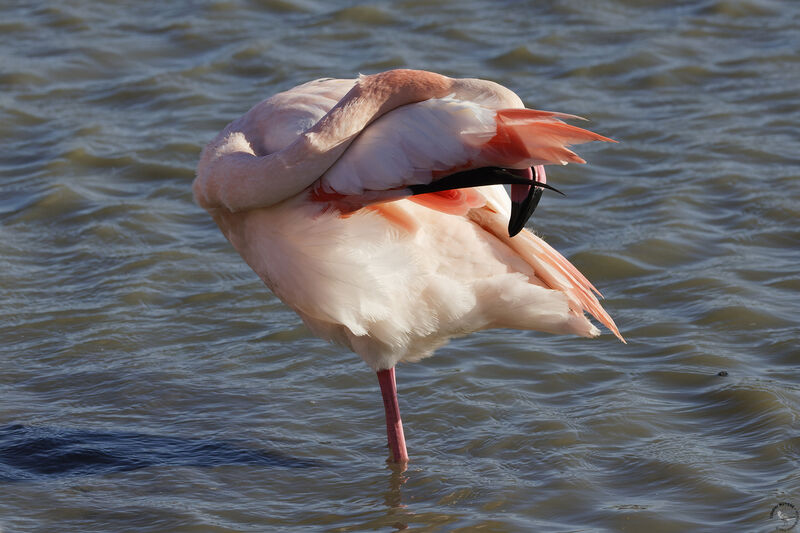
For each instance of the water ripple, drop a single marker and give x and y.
(150, 378)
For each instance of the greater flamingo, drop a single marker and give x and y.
(374, 208)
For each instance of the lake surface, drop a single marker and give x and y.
(150, 382)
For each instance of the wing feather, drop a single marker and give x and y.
(549, 265)
(419, 143)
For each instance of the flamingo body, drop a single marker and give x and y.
(312, 188)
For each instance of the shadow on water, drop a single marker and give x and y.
(28, 453)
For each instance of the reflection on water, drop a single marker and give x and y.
(395, 509)
(151, 383)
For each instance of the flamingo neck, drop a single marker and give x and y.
(394, 426)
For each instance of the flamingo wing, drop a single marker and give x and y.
(552, 268)
(420, 143)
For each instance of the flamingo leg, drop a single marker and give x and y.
(394, 426)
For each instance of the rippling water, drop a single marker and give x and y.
(150, 382)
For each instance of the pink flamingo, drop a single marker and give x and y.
(374, 208)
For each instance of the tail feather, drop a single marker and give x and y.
(558, 273)
(536, 137)
(551, 268)
(527, 114)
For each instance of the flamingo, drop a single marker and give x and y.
(374, 208)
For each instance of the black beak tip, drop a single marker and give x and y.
(516, 222)
(513, 220)
(522, 211)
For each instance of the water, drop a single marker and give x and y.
(151, 383)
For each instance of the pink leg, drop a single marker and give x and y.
(394, 426)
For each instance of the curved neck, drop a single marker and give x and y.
(238, 180)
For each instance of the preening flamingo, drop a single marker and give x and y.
(374, 208)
